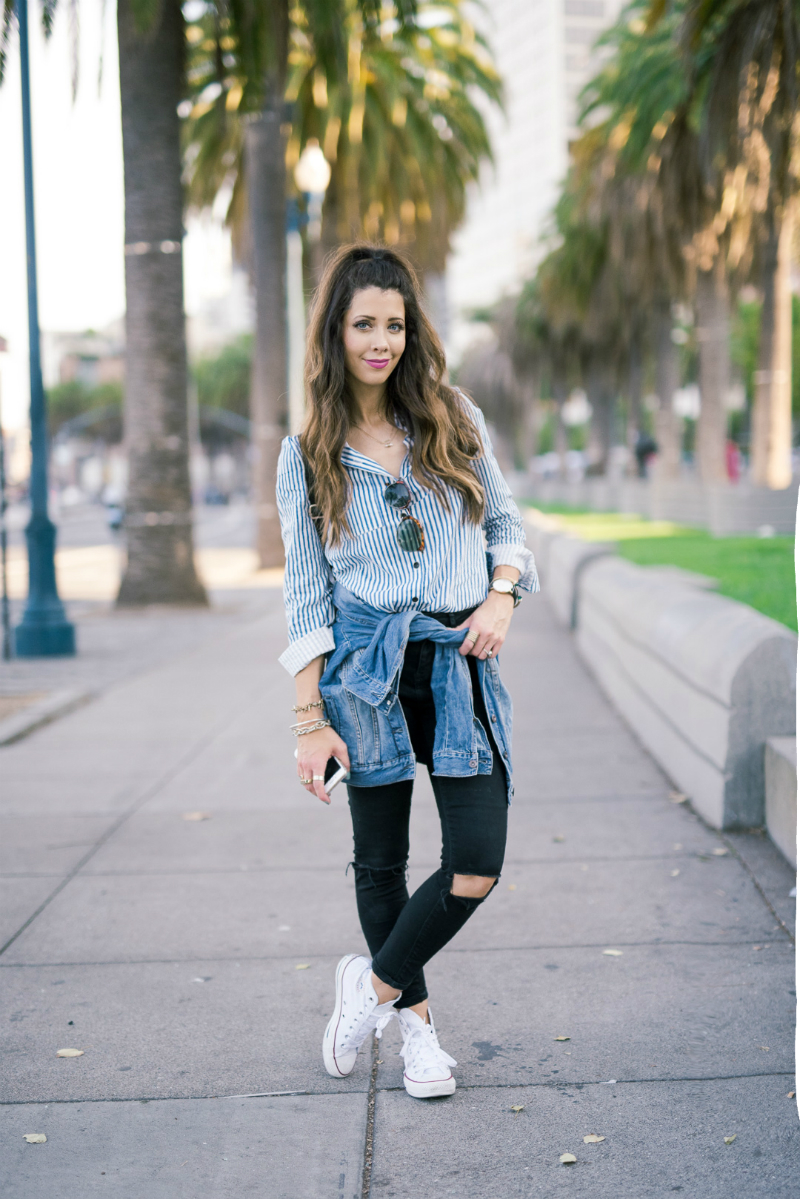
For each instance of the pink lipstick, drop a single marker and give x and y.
(377, 363)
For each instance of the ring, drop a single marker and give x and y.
(318, 777)
(490, 653)
(305, 782)
(472, 637)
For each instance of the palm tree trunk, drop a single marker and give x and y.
(160, 567)
(771, 440)
(265, 150)
(668, 430)
(713, 335)
(635, 388)
(602, 414)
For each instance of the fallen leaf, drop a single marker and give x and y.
(567, 1159)
(558, 839)
(196, 815)
(613, 953)
(517, 1108)
(512, 886)
(303, 966)
(677, 797)
(757, 947)
(593, 1139)
(380, 1061)
(730, 1140)
(674, 873)
(35, 1138)
(70, 1053)
(790, 1095)
(765, 1048)
(568, 1053)
(561, 1038)
(719, 852)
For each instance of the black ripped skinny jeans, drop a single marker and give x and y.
(404, 933)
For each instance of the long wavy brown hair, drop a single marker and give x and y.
(445, 441)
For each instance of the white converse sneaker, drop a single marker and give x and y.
(357, 1013)
(427, 1066)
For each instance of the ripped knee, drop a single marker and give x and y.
(472, 886)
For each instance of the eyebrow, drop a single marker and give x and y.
(365, 317)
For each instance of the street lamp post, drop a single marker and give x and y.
(312, 175)
(44, 630)
(5, 613)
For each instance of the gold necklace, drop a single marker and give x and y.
(386, 444)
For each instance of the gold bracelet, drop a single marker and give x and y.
(316, 703)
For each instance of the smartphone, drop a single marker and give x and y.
(332, 775)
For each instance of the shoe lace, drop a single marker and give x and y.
(355, 1037)
(421, 1050)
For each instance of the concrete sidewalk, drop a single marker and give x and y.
(192, 960)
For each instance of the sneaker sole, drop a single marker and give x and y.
(429, 1090)
(329, 1040)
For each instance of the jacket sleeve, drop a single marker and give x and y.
(308, 583)
(502, 523)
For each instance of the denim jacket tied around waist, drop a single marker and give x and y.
(360, 689)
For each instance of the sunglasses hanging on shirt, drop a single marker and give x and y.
(410, 533)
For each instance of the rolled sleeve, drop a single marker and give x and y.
(509, 554)
(308, 583)
(306, 649)
(502, 523)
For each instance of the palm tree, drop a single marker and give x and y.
(652, 114)
(751, 107)
(390, 103)
(160, 561)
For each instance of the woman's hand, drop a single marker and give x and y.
(490, 622)
(314, 751)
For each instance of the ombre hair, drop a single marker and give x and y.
(445, 440)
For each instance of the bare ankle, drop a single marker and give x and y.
(384, 992)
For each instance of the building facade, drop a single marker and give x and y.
(544, 51)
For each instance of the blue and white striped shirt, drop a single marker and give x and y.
(449, 575)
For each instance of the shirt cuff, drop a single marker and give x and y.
(307, 648)
(510, 554)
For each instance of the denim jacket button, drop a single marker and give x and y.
(494, 720)
(473, 761)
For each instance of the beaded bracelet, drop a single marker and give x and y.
(317, 703)
(311, 728)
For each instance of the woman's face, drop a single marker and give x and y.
(374, 334)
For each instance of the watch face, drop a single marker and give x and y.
(503, 585)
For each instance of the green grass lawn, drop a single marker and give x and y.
(754, 570)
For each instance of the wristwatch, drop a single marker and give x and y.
(506, 587)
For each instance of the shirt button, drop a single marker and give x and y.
(415, 599)
(494, 720)
(415, 565)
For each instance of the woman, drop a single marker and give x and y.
(394, 628)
